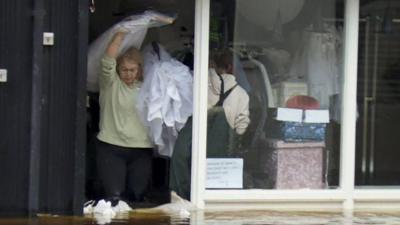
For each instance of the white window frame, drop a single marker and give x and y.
(346, 197)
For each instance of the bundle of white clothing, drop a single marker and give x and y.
(136, 27)
(165, 100)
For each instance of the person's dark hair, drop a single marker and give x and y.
(223, 59)
(132, 54)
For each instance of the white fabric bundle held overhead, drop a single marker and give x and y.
(136, 26)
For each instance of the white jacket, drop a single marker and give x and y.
(236, 105)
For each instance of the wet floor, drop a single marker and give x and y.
(223, 218)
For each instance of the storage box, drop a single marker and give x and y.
(297, 125)
(284, 90)
(296, 132)
(294, 165)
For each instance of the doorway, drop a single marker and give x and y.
(177, 39)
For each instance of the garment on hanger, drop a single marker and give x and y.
(266, 97)
(240, 74)
(136, 27)
(266, 81)
(165, 99)
(317, 62)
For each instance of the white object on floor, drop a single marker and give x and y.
(104, 208)
(121, 207)
(178, 207)
(88, 207)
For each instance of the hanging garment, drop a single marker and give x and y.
(166, 98)
(240, 74)
(323, 72)
(136, 26)
(266, 81)
(317, 63)
(262, 89)
(218, 143)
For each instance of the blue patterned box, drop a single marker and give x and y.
(296, 131)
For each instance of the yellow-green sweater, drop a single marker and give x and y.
(119, 122)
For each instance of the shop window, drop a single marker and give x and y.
(276, 124)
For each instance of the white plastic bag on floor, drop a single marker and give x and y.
(136, 26)
(178, 207)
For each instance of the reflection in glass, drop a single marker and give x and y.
(274, 94)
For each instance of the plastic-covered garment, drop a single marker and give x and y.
(136, 26)
(267, 98)
(267, 83)
(166, 98)
(240, 74)
(323, 71)
(318, 63)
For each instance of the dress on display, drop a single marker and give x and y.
(317, 62)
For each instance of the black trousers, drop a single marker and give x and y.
(124, 170)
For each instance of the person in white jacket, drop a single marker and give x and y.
(228, 116)
(236, 105)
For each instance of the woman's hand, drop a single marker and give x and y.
(115, 43)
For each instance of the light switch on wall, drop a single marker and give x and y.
(3, 75)
(48, 38)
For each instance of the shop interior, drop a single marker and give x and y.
(276, 58)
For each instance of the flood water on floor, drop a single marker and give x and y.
(223, 218)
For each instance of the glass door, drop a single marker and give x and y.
(378, 94)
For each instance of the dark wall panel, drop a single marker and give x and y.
(15, 104)
(59, 124)
(61, 90)
(42, 107)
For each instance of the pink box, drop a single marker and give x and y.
(297, 165)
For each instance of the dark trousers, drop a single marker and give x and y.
(124, 170)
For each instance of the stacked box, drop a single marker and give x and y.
(296, 132)
(297, 125)
(294, 165)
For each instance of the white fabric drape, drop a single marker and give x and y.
(166, 98)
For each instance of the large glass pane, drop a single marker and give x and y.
(378, 94)
(276, 122)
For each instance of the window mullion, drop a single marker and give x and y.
(349, 102)
(202, 15)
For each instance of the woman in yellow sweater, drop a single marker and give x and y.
(124, 150)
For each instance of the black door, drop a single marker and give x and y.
(42, 106)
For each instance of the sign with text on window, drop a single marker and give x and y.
(224, 173)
